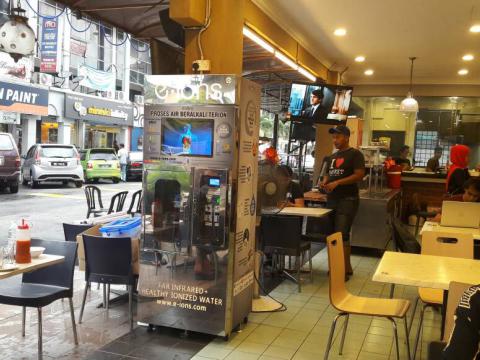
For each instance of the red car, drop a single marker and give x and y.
(9, 163)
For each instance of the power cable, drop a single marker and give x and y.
(102, 31)
(73, 27)
(45, 16)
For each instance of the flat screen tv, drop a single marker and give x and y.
(187, 137)
(319, 102)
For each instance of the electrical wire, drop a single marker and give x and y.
(73, 27)
(208, 13)
(138, 49)
(282, 307)
(45, 16)
(102, 31)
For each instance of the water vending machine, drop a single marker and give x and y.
(200, 144)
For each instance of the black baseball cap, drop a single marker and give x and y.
(340, 129)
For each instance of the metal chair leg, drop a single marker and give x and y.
(107, 298)
(407, 334)
(330, 336)
(298, 265)
(310, 262)
(24, 315)
(74, 326)
(413, 314)
(419, 331)
(395, 335)
(104, 295)
(130, 306)
(343, 333)
(40, 344)
(83, 302)
(392, 290)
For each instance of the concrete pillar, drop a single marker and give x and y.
(124, 137)
(80, 141)
(226, 27)
(64, 32)
(29, 132)
(126, 70)
(64, 133)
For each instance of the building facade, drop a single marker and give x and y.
(85, 53)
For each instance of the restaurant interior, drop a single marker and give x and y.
(348, 236)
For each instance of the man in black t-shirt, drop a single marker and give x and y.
(403, 159)
(346, 169)
(294, 193)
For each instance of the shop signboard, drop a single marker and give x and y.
(190, 89)
(23, 99)
(21, 70)
(9, 118)
(49, 46)
(98, 110)
(96, 79)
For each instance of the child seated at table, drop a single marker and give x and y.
(471, 194)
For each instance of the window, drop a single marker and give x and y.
(58, 152)
(6, 142)
(140, 63)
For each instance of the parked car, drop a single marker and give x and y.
(135, 165)
(9, 163)
(100, 164)
(52, 162)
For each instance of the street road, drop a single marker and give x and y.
(47, 207)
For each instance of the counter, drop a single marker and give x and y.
(370, 228)
(429, 186)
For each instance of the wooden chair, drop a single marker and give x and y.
(347, 303)
(440, 244)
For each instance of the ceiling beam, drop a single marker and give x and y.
(123, 7)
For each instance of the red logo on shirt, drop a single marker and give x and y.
(339, 162)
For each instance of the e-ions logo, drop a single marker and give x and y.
(190, 92)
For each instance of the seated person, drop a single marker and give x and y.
(433, 165)
(458, 171)
(463, 343)
(403, 159)
(294, 192)
(471, 194)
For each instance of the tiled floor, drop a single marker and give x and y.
(299, 333)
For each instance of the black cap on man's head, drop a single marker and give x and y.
(318, 93)
(340, 129)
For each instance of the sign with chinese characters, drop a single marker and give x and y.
(9, 118)
(100, 110)
(49, 46)
(23, 99)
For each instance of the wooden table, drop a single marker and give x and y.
(315, 196)
(434, 226)
(304, 211)
(42, 261)
(426, 270)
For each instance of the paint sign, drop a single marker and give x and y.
(23, 99)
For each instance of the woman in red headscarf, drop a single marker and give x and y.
(458, 171)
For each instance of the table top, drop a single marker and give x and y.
(304, 211)
(426, 270)
(434, 226)
(315, 196)
(42, 261)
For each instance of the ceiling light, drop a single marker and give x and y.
(286, 60)
(257, 39)
(340, 32)
(409, 104)
(369, 72)
(16, 36)
(468, 57)
(475, 28)
(360, 58)
(307, 74)
(462, 72)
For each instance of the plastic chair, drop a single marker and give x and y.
(42, 287)
(347, 303)
(94, 195)
(282, 236)
(72, 230)
(117, 202)
(440, 244)
(108, 261)
(137, 199)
